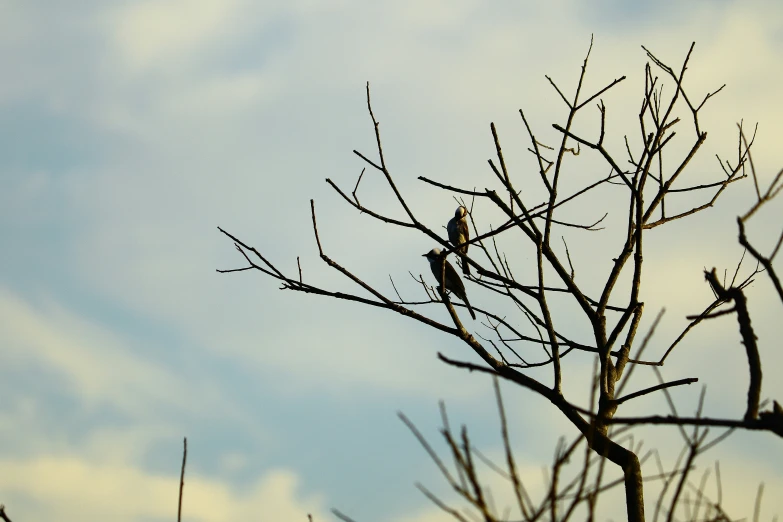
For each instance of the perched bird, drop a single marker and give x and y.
(460, 233)
(453, 282)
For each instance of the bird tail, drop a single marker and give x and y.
(470, 308)
(465, 267)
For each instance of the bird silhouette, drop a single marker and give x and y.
(459, 233)
(452, 280)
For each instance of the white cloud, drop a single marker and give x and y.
(232, 462)
(158, 33)
(98, 366)
(224, 94)
(436, 15)
(71, 488)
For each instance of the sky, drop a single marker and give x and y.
(129, 131)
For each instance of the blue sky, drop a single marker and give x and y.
(130, 130)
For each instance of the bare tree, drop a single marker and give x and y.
(614, 312)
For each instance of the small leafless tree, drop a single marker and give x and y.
(613, 312)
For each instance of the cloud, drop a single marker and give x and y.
(223, 94)
(152, 33)
(98, 366)
(72, 488)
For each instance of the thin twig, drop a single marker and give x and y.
(182, 477)
(652, 389)
(342, 516)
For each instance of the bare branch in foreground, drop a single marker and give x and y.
(182, 477)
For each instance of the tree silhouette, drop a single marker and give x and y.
(647, 186)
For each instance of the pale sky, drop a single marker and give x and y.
(130, 130)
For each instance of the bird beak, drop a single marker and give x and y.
(424, 255)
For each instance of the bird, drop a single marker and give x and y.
(452, 280)
(459, 233)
